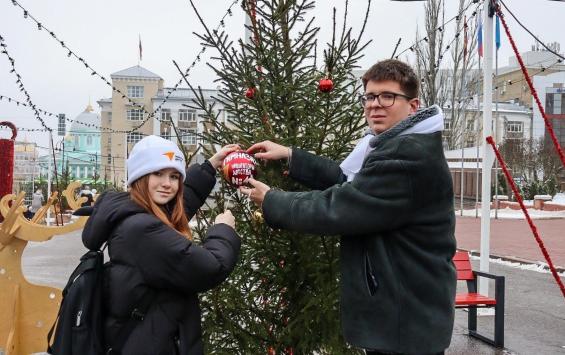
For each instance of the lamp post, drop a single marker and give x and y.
(94, 159)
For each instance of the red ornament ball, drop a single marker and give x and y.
(238, 167)
(325, 85)
(250, 93)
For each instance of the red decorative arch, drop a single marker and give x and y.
(12, 126)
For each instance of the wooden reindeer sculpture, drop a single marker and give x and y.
(27, 311)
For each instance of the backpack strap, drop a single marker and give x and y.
(137, 315)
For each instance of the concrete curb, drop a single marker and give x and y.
(515, 259)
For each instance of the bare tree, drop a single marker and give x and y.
(445, 67)
(429, 53)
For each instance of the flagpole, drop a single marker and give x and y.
(464, 123)
(496, 120)
(478, 145)
(140, 52)
(480, 52)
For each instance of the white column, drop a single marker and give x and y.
(488, 153)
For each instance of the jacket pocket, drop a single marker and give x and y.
(370, 278)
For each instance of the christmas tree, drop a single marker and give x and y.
(283, 297)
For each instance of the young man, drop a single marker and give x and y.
(391, 201)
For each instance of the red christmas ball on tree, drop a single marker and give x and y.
(325, 85)
(238, 167)
(250, 93)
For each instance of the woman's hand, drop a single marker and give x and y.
(217, 159)
(268, 150)
(227, 218)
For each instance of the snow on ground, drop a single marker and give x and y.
(508, 213)
(559, 198)
(538, 267)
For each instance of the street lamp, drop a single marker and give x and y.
(60, 146)
(94, 159)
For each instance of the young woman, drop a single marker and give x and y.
(152, 252)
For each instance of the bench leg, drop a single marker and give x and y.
(499, 315)
(472, 319)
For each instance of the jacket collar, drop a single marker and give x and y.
(426, 120)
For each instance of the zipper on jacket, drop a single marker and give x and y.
(370, 278)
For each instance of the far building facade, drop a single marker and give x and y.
(148, 89)
(26, 168)
(518, 116)
(77, 155)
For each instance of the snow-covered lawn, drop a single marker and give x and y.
(508, 213)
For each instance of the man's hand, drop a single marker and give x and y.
(268, 150)
(256, 192)
(227, 218)
(217, 159)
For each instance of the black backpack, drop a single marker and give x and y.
(79, 327)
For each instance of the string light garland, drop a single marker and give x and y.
(72, 53)
(449, 44)
(221, 24)
(531, 34)
(440, 29)
(20, 83)
(47, 113)
(509, 82)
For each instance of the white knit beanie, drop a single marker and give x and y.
(151, 154)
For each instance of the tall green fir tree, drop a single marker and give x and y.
(283, 297)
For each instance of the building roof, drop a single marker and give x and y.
(87, 121)
(502, 107)
(135, 72)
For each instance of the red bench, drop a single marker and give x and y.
(473, 300)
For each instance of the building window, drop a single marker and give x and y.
(188, 136)
(515, 129)
(187, 115)
(166, 130)
(557, 104)
(88, 140)
(470, 124)
(76, 141)
(109, 142)
(447, 125)
(165, 114)
(109, 159)
(134, 137)
(109, 118)
(549, 103)
(135, 91)
(134, 115)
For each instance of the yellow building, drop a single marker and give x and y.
(165, 104)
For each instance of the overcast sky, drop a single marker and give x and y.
(105, 33)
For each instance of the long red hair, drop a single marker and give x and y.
(139, 193)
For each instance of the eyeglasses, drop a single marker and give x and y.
(385, 99)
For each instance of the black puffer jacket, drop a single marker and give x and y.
(145, 253)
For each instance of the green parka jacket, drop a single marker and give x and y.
(396, 221)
